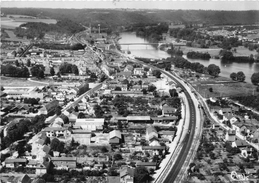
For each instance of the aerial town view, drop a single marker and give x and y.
(129, 92)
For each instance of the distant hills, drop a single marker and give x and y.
(123, 17)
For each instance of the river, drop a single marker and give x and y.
(149, 51)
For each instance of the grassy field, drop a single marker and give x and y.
(241, 51)
(212, 51)
(11, 81)
(227, 89)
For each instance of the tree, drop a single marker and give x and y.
(151, 88)
(156, 73)
(241, 76)
(75, 70)
(144, 91)
(52, 71)
(213, 70)
(117, 88)
(81, 115)
(255, 78)
(173, 93)
(117, 157)
(141, 175)
(58, 111)
(2, 88)
(233, 76)
(37, 71)
(28, 63)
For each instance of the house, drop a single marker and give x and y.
(139, 119)
(215, 126)
(168, 111)
(138, 71)
(148, 165)
(230, 135)
(101, 138)
(57, 132)
(167, 134)
(240, 144)
(245, 152)
(115, 137)
(83, 137)
(165, 119)
(91, 124)
(13, 163)
(49, 108)
(64, 162)
(124, 75)
(114, 179)
(24, 178)
(151, 133)
(127, 175)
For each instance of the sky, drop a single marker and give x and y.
(137, 4)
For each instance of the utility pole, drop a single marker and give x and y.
(99, 29)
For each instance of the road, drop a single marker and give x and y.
(26, 50)
(189, 138)
(187, 142)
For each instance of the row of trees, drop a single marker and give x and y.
(180, 62)
(68, 68)
(56, 46)
(38, 29)
(239, 76)
(198, 55)
(17, 130)
(228, 56)
(13, 71)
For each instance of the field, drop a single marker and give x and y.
(242, 51)
(212, 51)
(10, 81)
(224, 88)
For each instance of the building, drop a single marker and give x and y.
(139, 119)
(166, 119)
(64, 162)
(168, 111)
(230, 135)
(127, 175)
(13, 163)
(91, 124)
(81, 136)
(138, 71)
(151, 133)
(115, 137)
(148, 165)
(57, 132)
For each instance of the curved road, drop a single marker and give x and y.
(189, 138)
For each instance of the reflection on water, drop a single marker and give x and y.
(149, 51)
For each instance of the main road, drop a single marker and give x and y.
(172, 174)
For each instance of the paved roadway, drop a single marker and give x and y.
(187, 142)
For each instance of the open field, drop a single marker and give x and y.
(227, 89)
(11, 81)
(212, 51)
(242, 51)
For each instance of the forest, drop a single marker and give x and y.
(123, 17)
(38, 29)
